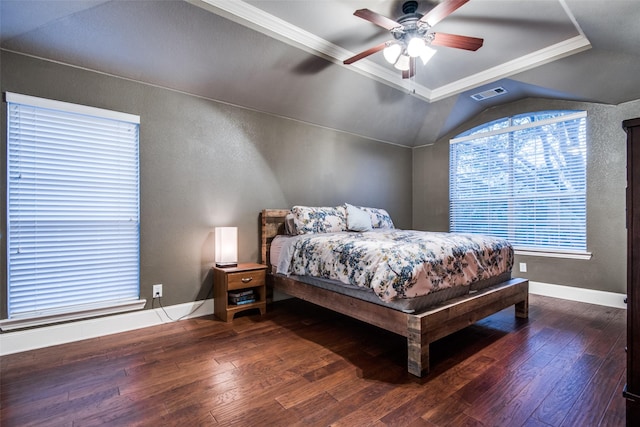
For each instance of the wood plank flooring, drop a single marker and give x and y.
(301, 365)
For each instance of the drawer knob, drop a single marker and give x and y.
(246, 279)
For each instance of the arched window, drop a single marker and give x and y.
(523, 178)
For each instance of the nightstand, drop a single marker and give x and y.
(237, 289)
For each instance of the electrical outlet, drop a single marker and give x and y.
(157, 291)
(523, 267)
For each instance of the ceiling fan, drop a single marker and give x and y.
(413, 35)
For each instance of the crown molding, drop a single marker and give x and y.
(535, 59)
(272, 26)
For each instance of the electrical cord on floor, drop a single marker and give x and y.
(186, 315)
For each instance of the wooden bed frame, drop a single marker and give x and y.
(420, 329)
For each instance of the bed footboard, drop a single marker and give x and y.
(420, 329)
(456, 314)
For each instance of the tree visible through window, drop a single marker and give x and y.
(522, 178)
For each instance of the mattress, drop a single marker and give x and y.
(406, 305)
(412, 304)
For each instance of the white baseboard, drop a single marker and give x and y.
(31, 339)
(609, 299)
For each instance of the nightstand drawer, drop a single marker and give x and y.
(245, 279)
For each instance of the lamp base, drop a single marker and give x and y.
(226, 264)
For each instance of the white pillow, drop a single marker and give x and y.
(357, 219)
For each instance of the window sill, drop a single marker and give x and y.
(555, 254)
(84, 312)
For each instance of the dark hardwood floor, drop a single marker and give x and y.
(302, 365)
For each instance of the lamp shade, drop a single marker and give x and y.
(427, 54)
(403, 63)
(415, 47)
(392, 52)
(226, 248)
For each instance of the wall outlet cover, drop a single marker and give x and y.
(157, 291)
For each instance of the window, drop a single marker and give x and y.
(73, 208)
(523, 178)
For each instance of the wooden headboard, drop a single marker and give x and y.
(272, 224)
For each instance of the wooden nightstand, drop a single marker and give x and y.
(234, 286)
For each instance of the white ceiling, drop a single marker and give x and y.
(285, 57)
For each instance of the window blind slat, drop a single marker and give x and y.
(523, 179)
(73, 206)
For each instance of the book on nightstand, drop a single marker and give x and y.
(240, 293)
(242, 297)
(246, 301)
(235, 300)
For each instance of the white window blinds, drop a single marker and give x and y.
(73, 207)
(523, 179)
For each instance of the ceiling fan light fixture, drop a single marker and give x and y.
(416, 47)
(392, 52)
(413, 35)
(403, 62)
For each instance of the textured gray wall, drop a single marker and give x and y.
(205, 164)
(606, 183)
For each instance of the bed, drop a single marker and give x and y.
(420, 326)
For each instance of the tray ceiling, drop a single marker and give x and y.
(517, 36)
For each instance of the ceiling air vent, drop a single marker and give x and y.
(489, 93)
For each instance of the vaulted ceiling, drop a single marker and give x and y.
(284, 57)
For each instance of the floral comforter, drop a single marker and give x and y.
(397, 263)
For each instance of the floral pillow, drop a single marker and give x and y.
(380, 218)
(310, 220)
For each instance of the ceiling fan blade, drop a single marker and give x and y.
(376, 18)
(365, 53)
(441, 11)
(411, 71)
(456, 41)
